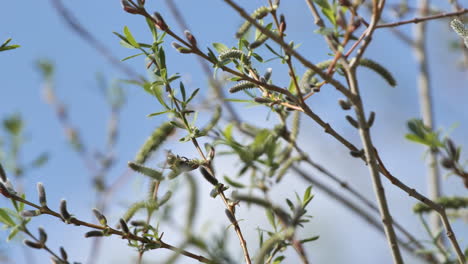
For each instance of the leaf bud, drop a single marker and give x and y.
(190, 38)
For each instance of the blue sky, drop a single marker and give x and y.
(42, 34)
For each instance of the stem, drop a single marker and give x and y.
(426, 18)
(111, 231)
(434, 206)
(374, 170)
(425, 99)
(289, 49)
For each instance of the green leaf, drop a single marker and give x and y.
(13, 232)
(156, 91)
(159, 113)
(13, 124)
(194, 93)
(182, 90)
(4, 46)
(307, 195)
(133, 56)
(5, 43)
(220, 47)
(9, 47)
(271, 218)
(257, 57)
(309, 239)
(40, 161)
(228, 132)
(233, 183)
(5, 218)
(278, 259)
(130, 37)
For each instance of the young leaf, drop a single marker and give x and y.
(5, 218)
(220, 47)
(233, 183)
(130, 37)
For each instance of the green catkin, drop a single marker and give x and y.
(454, 203)
(164, 198)
(213, 121)
(377, 68)
(241, 86)
(154, 174)
(234, 54)
(154, 141)
(258, 42)
(259, 13)
(287, 165)
(192, 202)
(133, 209)
(296, 123)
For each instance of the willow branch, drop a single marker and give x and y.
(422, 19)
(109, 230)
(425, 101)
(289, 50)
(423, 199)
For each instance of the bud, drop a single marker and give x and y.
(4, 191)
(345, 3)
(124, 226)
(282, 26)
(452, 150)
(138, 223)
(3, 177)
(42, 235)
(180, 48)
(159, 22)
(370, 122)
(230, 216)
(212, 153)
(94, 234)
(66, 216)
(190, 38)
(267, 74)
(129, 8)
(357, 153)
(210, 178)
(353, 122)
(63, 253)
(345, 105)
(447, 163)
(100, 217)
(41, 194)
(33, 244)
(262, 100)
(30, 213)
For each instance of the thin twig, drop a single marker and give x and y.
(425, 101)
(364, 132)
(109, 230)
(436, 207)
(288, 49)
(421, 19)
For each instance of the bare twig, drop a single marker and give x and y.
(426, 18)
(109, 230)
(364, 132)
(288, 49)
(436, 207)
(425, 101)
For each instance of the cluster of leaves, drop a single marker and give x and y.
(445, 146)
